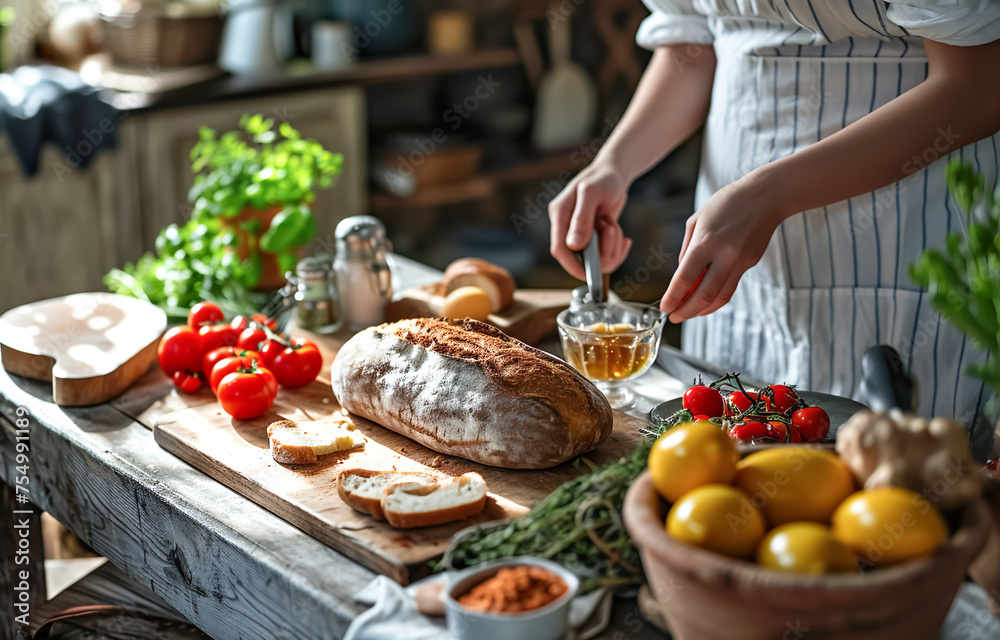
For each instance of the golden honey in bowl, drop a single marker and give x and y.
(609, 351)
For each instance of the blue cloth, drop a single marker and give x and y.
(52, 104)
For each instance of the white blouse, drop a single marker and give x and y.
(956, 22)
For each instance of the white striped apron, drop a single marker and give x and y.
(833, 281)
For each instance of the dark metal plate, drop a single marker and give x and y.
(839, 408)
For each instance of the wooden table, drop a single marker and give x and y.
(231, 567)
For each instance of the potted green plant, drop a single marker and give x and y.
(259, 183)
(251, 216)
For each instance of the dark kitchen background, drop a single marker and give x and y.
(436, 106)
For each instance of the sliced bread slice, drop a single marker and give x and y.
(293, 442)
(362, 489)
(414, 504)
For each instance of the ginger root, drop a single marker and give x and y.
(930, 457)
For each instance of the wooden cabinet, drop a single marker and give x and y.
(61, 231)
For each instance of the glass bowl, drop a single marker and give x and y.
(610, 344)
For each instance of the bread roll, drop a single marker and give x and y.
(473, 272)
(465, 388)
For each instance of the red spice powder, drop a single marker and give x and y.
(515, 590)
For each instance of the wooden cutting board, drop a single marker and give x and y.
(92, 346)
(529, 318)
(235, 453)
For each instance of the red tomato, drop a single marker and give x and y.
(186, 381)
(298, 364)
(270, 323)
(783, 432)
(702, 400)
(179, 350)
(204, 313)
(750, 431)
(737, 402)
(240, 323)
(230, 364)
(812, 422)
(247, 393)
(785, 398)
(213, 356)
(269, 350)
(250, 338)
(220, 335)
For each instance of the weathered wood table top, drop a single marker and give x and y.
(229, 566)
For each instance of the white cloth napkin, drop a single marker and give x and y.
(393, 614)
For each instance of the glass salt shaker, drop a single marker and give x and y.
(364, 279)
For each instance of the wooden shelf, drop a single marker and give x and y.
(479, 187)
(405, 67)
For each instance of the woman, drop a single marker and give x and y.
(829, 124)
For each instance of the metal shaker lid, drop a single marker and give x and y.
(360, 237)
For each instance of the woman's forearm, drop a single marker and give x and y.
(958, 104)
(669, 105)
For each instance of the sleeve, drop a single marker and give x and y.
(963, 23)
(672, 22)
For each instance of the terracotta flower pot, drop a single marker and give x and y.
(271, 275)
(706, 596)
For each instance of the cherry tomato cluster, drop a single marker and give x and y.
(775, 413)
(242, 361)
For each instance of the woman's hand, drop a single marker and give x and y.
(592, 200)
(723, 239)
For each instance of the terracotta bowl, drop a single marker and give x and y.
(986, 569)
(706, 596)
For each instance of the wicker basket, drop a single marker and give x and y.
(149, 38)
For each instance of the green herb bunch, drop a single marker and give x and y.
(257, 167)
(579, 525)
(964, 280)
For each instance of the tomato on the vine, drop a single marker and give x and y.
(204, 314)
(739, 402)
(179, 350)
(750, 431)
(209, 359)
(247, 393)
(785, 398)
(186, 381)
(297, 364)
(251, 338)
(220, 335)
(784, 432)
(704, 401)
(812, 422)
(230, 364)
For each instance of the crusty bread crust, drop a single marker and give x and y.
(470, 271)
(371, 506)
(465, 388)
(430, 518)
(408, 519)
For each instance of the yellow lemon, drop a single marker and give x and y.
(804, 547)
(719, 518)
(794, 483)
(889, 525)
(689, 456)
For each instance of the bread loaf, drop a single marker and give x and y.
(465, 388)
(495, 281)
